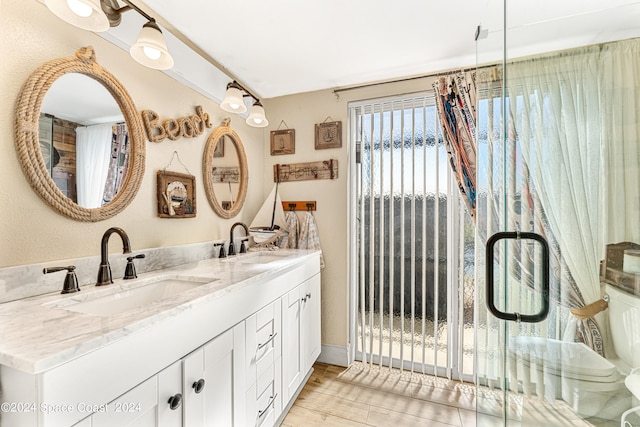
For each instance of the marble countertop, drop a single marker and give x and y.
(38, 333)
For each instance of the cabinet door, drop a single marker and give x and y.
(137, 407)
(213, 381)
(170, 396)
(291, 335)
(84, 423)
(310, 321)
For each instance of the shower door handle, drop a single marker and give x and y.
(517, 317)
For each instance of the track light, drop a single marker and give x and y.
(149, 50)
(233, 102)
(257, 117)
(85, 14)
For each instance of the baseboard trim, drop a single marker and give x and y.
(334, 355)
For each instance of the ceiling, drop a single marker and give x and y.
(282, 47)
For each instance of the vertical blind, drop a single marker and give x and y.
(413, 293)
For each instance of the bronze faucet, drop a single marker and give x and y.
(232, 250)
(104, 272)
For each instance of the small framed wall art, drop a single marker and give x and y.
(176, 195)
(328, 135)
(283, 142)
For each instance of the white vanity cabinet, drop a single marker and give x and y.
(310, 320)
(264, 365)
(213, 379)
(155, 402)
(205, 388)
(235, 359)
(301, 334)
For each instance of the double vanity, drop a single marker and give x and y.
(224, 342)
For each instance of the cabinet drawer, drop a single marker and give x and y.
(263, 340)
(266, 377)
(266, 401)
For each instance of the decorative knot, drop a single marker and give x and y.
(86, 54)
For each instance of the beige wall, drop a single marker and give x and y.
(30, 230)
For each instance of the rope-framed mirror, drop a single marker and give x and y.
(28, 137)
(226, 174)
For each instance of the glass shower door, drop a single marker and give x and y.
(558, 155)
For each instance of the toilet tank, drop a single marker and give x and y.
(624, 323)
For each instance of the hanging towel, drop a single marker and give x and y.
(309, 237)
(291, 240)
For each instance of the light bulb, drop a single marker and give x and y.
(257, 121)
(234, 106)
(151, 52)
(80, 8)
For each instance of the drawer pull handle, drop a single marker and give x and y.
(271, 337)
(175, 401)
(271, 402)
(198, 386)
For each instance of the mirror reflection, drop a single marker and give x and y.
(84, 140)
(226, 172)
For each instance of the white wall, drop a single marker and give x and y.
(30, 231)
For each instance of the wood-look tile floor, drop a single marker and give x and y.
(364, 395)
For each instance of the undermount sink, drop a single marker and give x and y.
(257, 258)
(125, 297)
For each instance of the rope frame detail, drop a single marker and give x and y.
(27, 115)
(207, 167)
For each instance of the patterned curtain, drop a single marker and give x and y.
(119, 162)
(456, 100)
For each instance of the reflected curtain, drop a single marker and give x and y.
(93, 144)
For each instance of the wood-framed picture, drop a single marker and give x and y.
(328, 135)
(176, 195)
(219, 151)
(283, 142)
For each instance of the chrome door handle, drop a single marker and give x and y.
(517, 317)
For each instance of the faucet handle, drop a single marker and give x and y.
(70, 281)
(222, 253)
(130, 269)
(243, 247)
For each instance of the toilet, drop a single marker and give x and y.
(589, 383)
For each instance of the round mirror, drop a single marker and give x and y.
(226, 177)
(84, 140)
(79, 138)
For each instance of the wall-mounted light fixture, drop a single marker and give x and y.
(233, 103)
(149, 50)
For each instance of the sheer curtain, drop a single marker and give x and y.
(577, 122)
(93, 145)
(620, 88)
(568, 168)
